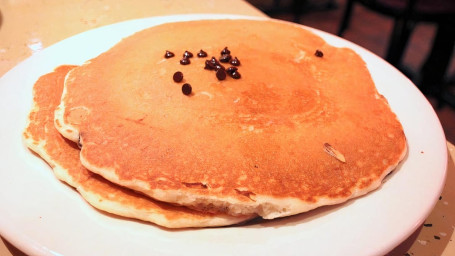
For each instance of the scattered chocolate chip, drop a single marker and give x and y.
(235, 62)
(319, 53)
(235, 75)
(219, 66)
(178, 76)
(209, 65)
(225, 58)
(202, 54)
(187, 54)
(186, 89)
(437, 237)
(231, 70)
(214, 61)
(440, 197)
(221, 71)
(168, 55)
(225, 51)
(221, 74)
(185, 61)
(427, 225)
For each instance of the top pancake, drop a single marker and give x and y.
(248, 145)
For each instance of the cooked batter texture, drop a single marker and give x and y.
(277, 123)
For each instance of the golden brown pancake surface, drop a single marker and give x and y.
(248, 145)
(63, 155)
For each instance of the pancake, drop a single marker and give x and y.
(302, 125)
(63, 155)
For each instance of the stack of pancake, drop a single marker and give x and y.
(212, 123)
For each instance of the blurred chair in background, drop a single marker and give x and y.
(406, 14)
(300, 7)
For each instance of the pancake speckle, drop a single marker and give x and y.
(246, 193)
(333, 152)
(195, 185)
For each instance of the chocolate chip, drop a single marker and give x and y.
(235, 62)
(209, 65)
(225, 58)
(219, 66)
(178, 76)
(186, 89)
(202, 54)
(214, 61)
(231, 70)
(235, 75)
(185, 61)
(168, 55)
(319, 53)
(437, 238)
(221, 74)
(225, 51)
(187, 54)
(427, 225)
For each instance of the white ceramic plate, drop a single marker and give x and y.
(42, 216)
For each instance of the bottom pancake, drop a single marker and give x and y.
(62, 155)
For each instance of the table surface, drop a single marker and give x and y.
(26, 26)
